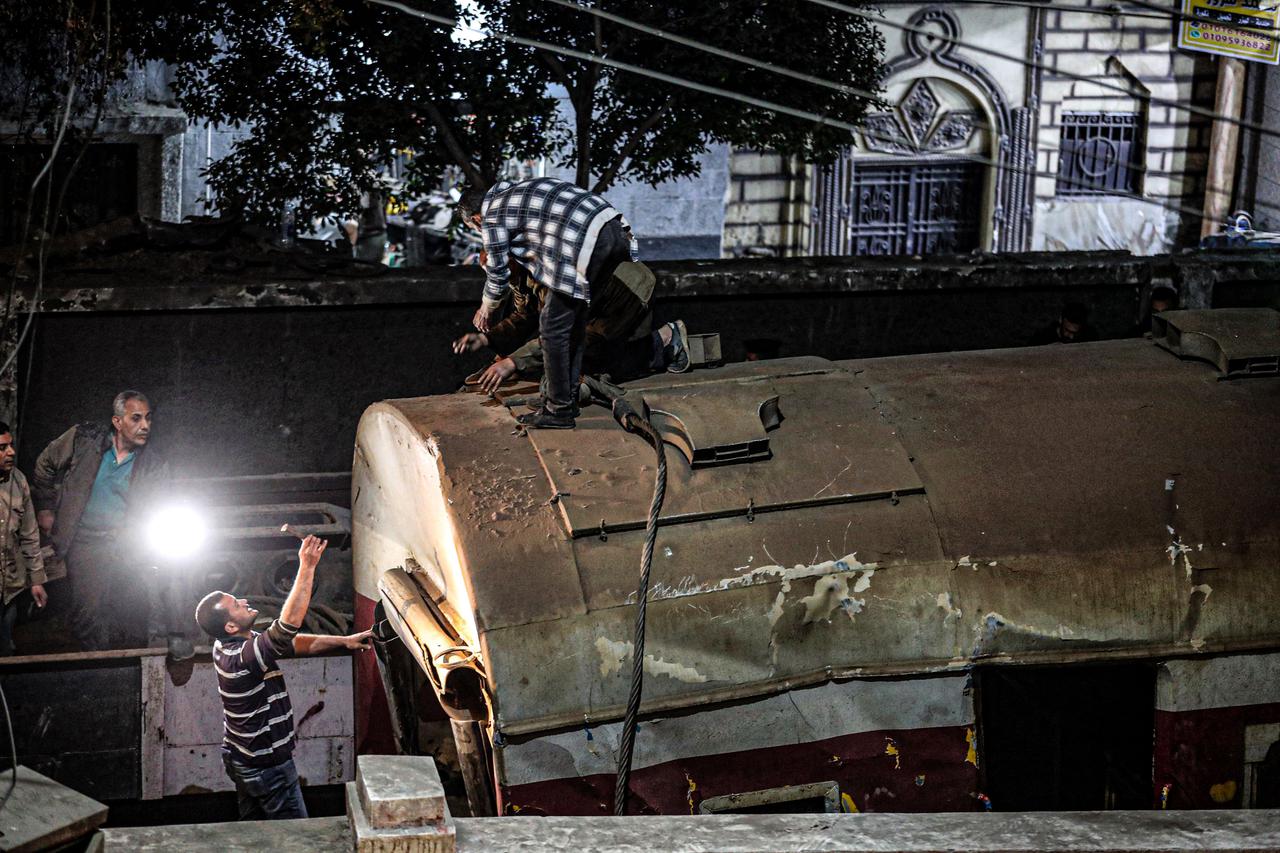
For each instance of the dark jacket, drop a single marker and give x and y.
(62, 479)
(619, 311)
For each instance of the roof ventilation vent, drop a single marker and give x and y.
(715, 426)
(1240, 341)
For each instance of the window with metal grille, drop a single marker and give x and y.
(1100, 154)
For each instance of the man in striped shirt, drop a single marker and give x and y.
(257, 745)
(570, 241)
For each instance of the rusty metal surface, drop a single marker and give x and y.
(1078, 502)
(831, 447)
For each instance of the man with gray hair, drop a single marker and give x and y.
(89, 486)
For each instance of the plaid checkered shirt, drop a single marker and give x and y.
(549, 227)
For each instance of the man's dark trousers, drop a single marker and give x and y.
(267, 793)
(562, 326)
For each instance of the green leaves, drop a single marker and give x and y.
(329, 89)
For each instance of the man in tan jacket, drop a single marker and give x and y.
(21, 564)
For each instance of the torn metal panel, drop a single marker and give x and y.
(918, 514)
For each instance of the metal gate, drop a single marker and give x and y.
(897, 207)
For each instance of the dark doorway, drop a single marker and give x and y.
(104, 186)
(1067, 738)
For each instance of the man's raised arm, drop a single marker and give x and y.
(295, 606)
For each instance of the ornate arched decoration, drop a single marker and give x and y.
(937, 29)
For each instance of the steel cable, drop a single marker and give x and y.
(632, 421)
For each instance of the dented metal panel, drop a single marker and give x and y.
(832, 447)
(918, 514)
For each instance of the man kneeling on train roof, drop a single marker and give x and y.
(257, 744)
(570, 241)
(619, 341)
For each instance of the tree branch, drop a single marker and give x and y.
(557, 67)
(609, 175)
(474, 176)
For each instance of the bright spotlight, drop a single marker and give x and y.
(176, 532)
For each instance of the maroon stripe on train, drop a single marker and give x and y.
(929, 774)
(1200, 754)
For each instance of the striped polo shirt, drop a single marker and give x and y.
(258, 718)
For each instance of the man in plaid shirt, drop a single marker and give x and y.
(570, 241)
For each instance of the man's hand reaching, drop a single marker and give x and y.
(362, 641)
(483, 317)
(495, 374)
(309, 552)
(470, 342)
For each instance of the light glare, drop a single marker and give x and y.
(177, 531)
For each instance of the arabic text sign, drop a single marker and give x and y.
(1215, 26)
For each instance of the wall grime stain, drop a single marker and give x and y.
(946, 605)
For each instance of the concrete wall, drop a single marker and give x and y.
(278, 383)
(769, 208)
(766, 205)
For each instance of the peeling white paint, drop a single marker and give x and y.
(1175, 550)
(948, 607)
(828, 592)
(615, 653)
(749, 577)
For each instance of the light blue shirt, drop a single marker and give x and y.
(105, 511)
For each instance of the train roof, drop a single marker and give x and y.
(883, 516)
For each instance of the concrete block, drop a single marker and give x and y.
(437, 837)
(1105, 40)
(400, 790)
(1079, 63)
(751, 163)
(1064, 41)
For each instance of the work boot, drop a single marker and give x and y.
(545, 420)
(677, 352)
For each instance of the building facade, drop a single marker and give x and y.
(1005, 127)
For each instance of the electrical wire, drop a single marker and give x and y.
(716, 51)
(28, 327)
(1106, 11)
(1031, 63)
(579, 6)
(768, 105)
(13, 749)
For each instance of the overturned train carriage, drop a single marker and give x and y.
(1030, 578)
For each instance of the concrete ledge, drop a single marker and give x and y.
(1030, 832)
(437, 837)
(192, 280)
(1033, 832)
